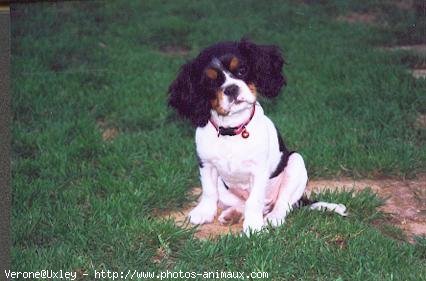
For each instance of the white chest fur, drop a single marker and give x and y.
(235, 158)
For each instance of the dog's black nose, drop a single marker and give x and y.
(232, 91)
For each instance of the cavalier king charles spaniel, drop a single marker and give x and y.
(245, 168)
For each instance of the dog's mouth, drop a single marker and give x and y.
(237, 101)
(238, 105)
(240, 99)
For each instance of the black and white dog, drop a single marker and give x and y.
(245, 168)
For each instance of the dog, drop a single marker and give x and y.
(245, 168)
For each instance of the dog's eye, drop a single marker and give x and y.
(241, 72)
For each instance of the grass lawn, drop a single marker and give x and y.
(86, 71)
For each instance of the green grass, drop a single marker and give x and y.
(81, 203)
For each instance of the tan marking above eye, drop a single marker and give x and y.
(211, 73)
(233, 64)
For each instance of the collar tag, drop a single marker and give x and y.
(245, 134)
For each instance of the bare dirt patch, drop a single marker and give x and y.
(404, 4)
(108, 132)
(174, 50)
(419, 49)
(416, 58)
(204, 231)
(405, 203)
(355, 17)
(405, 200)
(421, 119)
(419, 73)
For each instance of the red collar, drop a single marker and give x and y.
(232, 131)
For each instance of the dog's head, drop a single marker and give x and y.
(226, 77)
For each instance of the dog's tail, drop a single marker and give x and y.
(322, 206)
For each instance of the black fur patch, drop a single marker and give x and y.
(226, 186)
(304, 201)
(200, 163)
(285, 154)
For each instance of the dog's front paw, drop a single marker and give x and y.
(275, 218)
(253, 224)
(203, 213)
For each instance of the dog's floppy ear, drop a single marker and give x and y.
(186, 97)
(266, 64)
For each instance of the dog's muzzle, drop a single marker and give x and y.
(231, 92)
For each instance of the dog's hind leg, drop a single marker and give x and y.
(292, 185)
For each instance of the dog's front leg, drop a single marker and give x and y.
(206, 209)
(253, 213)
